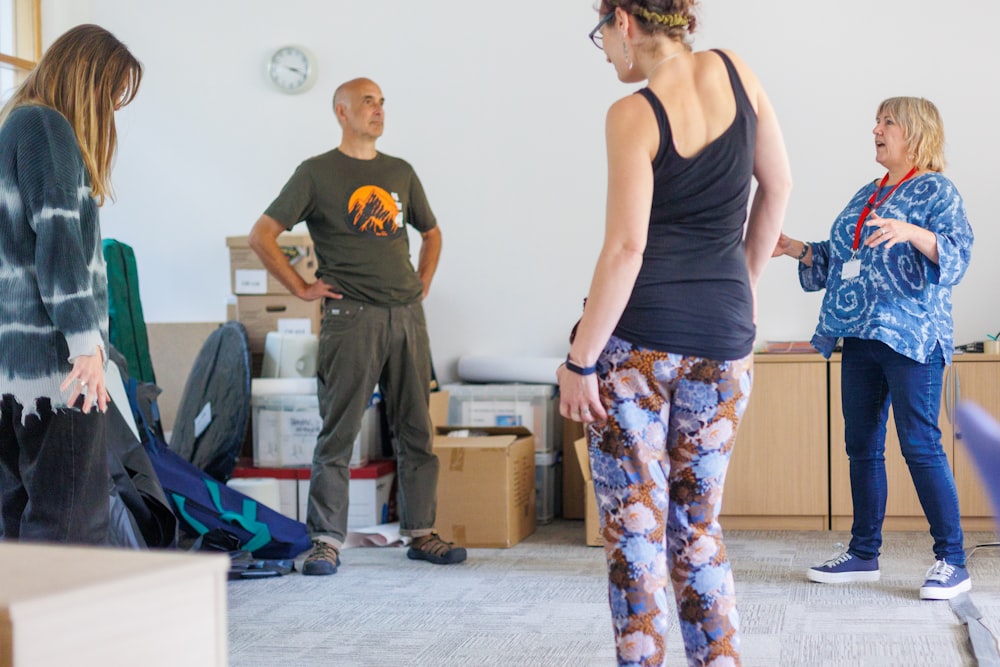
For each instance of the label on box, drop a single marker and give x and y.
(251, 281)
(203, 419)
(509, 420)
(294, 325)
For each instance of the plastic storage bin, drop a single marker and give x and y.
(548, 486)
(286, 422)
(534, 406)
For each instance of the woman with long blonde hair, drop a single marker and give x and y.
(57, 144)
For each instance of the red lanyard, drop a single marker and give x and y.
(872, 204)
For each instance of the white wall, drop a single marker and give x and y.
(501, 108)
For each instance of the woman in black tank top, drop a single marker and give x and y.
(660, 366)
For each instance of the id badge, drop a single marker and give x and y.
(851, 269)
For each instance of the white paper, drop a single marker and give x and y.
(251, 281)
(382, 535)
(852, 269)
(294, 325)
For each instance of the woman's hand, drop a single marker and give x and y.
(890, 231)
(87, 380)
(578, 397)
(784, 246)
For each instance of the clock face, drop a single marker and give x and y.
(291, 69)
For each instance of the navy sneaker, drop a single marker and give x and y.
(944, 581)
(845, 568)
(324, 559)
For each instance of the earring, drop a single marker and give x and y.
(628, 61)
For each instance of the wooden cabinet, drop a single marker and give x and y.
(778, 474)
(974, 377)
(971, 377)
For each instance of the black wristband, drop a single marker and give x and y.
(579, 370)
(805, 249)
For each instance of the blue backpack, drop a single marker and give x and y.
(202, 504)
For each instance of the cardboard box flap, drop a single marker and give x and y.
(583, 457)
(475, 442)
(480, 437)
(485, 430)
(285, 239)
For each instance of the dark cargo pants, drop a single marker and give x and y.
(361, 346)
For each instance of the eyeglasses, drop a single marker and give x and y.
(595, 35)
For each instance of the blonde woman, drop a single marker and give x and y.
(894, 253)
(57, 142)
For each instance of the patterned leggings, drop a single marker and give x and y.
(659, 463)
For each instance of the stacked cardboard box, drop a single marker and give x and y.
(262, 303)
(533, 406)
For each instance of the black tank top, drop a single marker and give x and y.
(692, 295)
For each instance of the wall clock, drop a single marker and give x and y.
(292, 69)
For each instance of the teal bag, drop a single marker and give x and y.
(127, 327)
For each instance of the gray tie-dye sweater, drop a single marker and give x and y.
(53, 283)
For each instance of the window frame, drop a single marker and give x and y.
(23, 29)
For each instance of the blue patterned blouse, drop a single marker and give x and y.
(901, 298)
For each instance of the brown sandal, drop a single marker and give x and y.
(433, 549)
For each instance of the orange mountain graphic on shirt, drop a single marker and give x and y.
(372, 210)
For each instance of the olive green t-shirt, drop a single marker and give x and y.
(357, 212)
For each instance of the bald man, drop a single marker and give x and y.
(356, 203)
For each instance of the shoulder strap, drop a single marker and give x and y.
(661, 119)
(734, 80)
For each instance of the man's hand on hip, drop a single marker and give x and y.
(318, 290)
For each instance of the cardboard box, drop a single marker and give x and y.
(275, 312)
(592, 520)
(370, 489)
(369, 494)
(533, 406)
(247, 274)
(486, 485)
(573, 489)
(289, 486)
(439, 408)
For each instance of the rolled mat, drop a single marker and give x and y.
(536, 370)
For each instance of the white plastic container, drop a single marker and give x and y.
(286, 421)
(548, 487)
(288, 355)
(534, 406)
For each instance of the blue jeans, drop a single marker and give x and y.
(875, 375)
